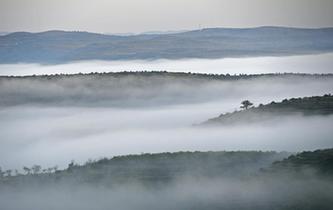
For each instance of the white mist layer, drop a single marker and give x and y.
(54, 136)
(321, 63)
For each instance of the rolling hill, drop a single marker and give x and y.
(307, 106)
(60, 46)
(138, 88)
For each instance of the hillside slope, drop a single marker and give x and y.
(155, 168)
(320, 160)
(307, 106)
(183, 180)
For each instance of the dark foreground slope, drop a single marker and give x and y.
(156, 168)
(59, 46)
(164, 168)
(307, 106)
(184, 180)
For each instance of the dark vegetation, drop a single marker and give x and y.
(320, 161)
(188, 75)
(151, 168)
(182, 180)
(59, 46)
(307, 106)
(165, 167)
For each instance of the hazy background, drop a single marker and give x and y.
(112, 16)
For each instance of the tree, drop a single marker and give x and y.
(36, 169)
(2, 173)
(17, 173)
(27, 170)
(49, 170)
(246, 104)
(9, 172)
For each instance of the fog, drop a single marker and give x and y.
(275, 192)
(50, 122)
(321, 63)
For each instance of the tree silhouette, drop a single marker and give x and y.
(36, 169)
(9, 172)
(27, 170)
(246, 104)
(2, 173)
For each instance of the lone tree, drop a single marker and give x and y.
(246, 104)
(2, 173)
(36, 169)
(27, 170)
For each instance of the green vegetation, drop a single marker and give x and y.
(307, 106)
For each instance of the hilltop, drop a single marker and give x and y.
(307, 106)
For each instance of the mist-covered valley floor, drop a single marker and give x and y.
(49, 120)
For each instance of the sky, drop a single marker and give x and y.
(135, 16)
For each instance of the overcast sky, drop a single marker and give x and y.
(113, 16)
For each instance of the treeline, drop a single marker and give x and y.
(151, 168)
(171, 74)
(164, 167)
(321, 161)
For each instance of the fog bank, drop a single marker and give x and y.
(186, 193)
(51, 122)
(321, 63)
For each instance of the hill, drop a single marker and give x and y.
(307, 106)
(138, 88)
(155, 168)
(60, 46)
(162, 168)
(182, 180)
(320, 160)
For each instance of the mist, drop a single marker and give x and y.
(279, 191)
(320, 63)
(50, 122)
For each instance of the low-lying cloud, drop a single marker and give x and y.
(321, 63)
(51, 122)
(184, 193)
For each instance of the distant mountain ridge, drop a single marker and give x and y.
(62, 46)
